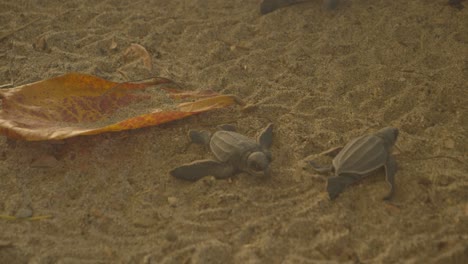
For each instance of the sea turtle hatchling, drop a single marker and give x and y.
(234, 152)
(360, 157)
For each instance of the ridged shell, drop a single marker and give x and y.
(227, 145)
(361, 156)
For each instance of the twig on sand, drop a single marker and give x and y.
(124, 75)
(442, 157)
(34, 218)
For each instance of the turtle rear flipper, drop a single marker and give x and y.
(319, 168)
(201, 168)
(390, 171)
(333, 152)
(200, 137)
(266, 137)
(227, 127)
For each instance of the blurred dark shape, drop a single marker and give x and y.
(456, 3)
(268, 6)
(330, 4)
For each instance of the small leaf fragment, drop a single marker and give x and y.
(113, 45)
(136, 51)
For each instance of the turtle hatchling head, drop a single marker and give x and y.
(258, 163)
(389, 135)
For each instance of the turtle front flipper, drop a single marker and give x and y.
(200, 137)
(201, 168)
(266, 137)
(390, 171)
(337, 184)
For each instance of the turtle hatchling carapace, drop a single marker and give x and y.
(359, 158)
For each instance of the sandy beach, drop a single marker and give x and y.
(322, 77)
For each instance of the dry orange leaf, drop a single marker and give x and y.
(77, 104)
